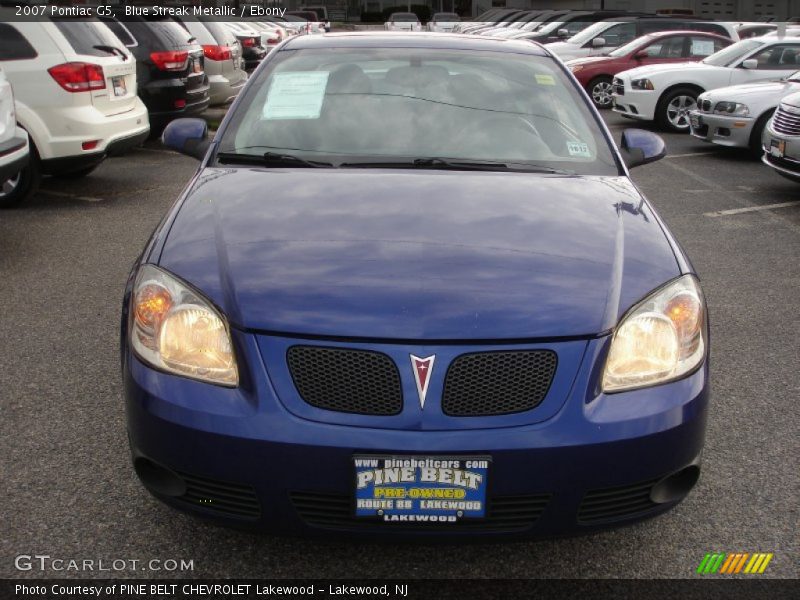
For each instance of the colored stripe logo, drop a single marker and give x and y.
(734, 563)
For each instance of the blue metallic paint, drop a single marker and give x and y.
(414, 262)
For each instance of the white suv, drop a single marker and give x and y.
(75, 91)
(13, 141)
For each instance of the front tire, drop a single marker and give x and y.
(16, 190)
(672, 112)
(599, 90)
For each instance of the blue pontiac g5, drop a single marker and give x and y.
(412, 291)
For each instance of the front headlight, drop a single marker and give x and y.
(642, 84)
(661, 339)
(733, 109)
(174, 329)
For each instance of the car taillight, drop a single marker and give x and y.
(217, 52)
(274, 40)
(249, 42)
(171, 60)
(78, 77)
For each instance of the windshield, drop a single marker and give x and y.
(445, 17)
(355, 105)
(732, 53)
(587, 34)
(631, 46)
(404, 18)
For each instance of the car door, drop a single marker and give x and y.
(615, 36)
(773, 62)
(664, 50)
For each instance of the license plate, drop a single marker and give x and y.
(695, 121)
(777, 148)
(118, 84)
(420, 489)
(196, 66)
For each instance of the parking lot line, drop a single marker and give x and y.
(689, 154)
(70, 196)
(747, 209)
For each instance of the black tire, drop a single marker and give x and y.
(76, 174)
(18, 189)
(667, 118)
(599, 90)
(758, 131)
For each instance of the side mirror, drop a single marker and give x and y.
(598, 42)
(640, 147)
(750, 63)
(563, 33)
(187, 136)
(641, 55)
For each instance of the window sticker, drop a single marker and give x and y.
(702, 47)
(545, 79)
(296, 95)
(579, 149)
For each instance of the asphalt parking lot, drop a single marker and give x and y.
(71, 493)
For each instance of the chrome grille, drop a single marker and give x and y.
(705, 106)
(785, 122)
(618, 87)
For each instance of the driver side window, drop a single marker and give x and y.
(619, 34)
(778, 58)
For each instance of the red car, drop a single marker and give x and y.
(595, 73)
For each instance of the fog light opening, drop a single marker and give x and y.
(158, 479)
(674, 487)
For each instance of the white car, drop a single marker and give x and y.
(735, 116)
(668, 93)
(443, 22)
(14, 151)
(75, 94)
(602, 37)
(403, 21)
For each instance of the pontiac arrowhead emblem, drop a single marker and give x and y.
(422, 368)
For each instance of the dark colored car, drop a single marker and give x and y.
(364, 317)
(170, 67)
(596, 73)
(253, 51)
(567, 25)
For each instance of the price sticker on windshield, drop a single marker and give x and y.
(296, 95)
(543, 79)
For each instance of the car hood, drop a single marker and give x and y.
(653, 70)
(768, 91)
(588, 60)
(410, 254)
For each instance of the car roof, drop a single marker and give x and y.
(693, 32)
(445, 41)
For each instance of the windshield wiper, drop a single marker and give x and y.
(270, 158)
(455, 165)
(111, 50)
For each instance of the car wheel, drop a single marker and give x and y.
(77, 174)
(600, 91)
(673, 109)
(758, 131)
(15, 190)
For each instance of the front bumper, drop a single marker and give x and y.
(14, 154)
(787, 161)
(723, 130)
(592, 464)
(636, 104)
